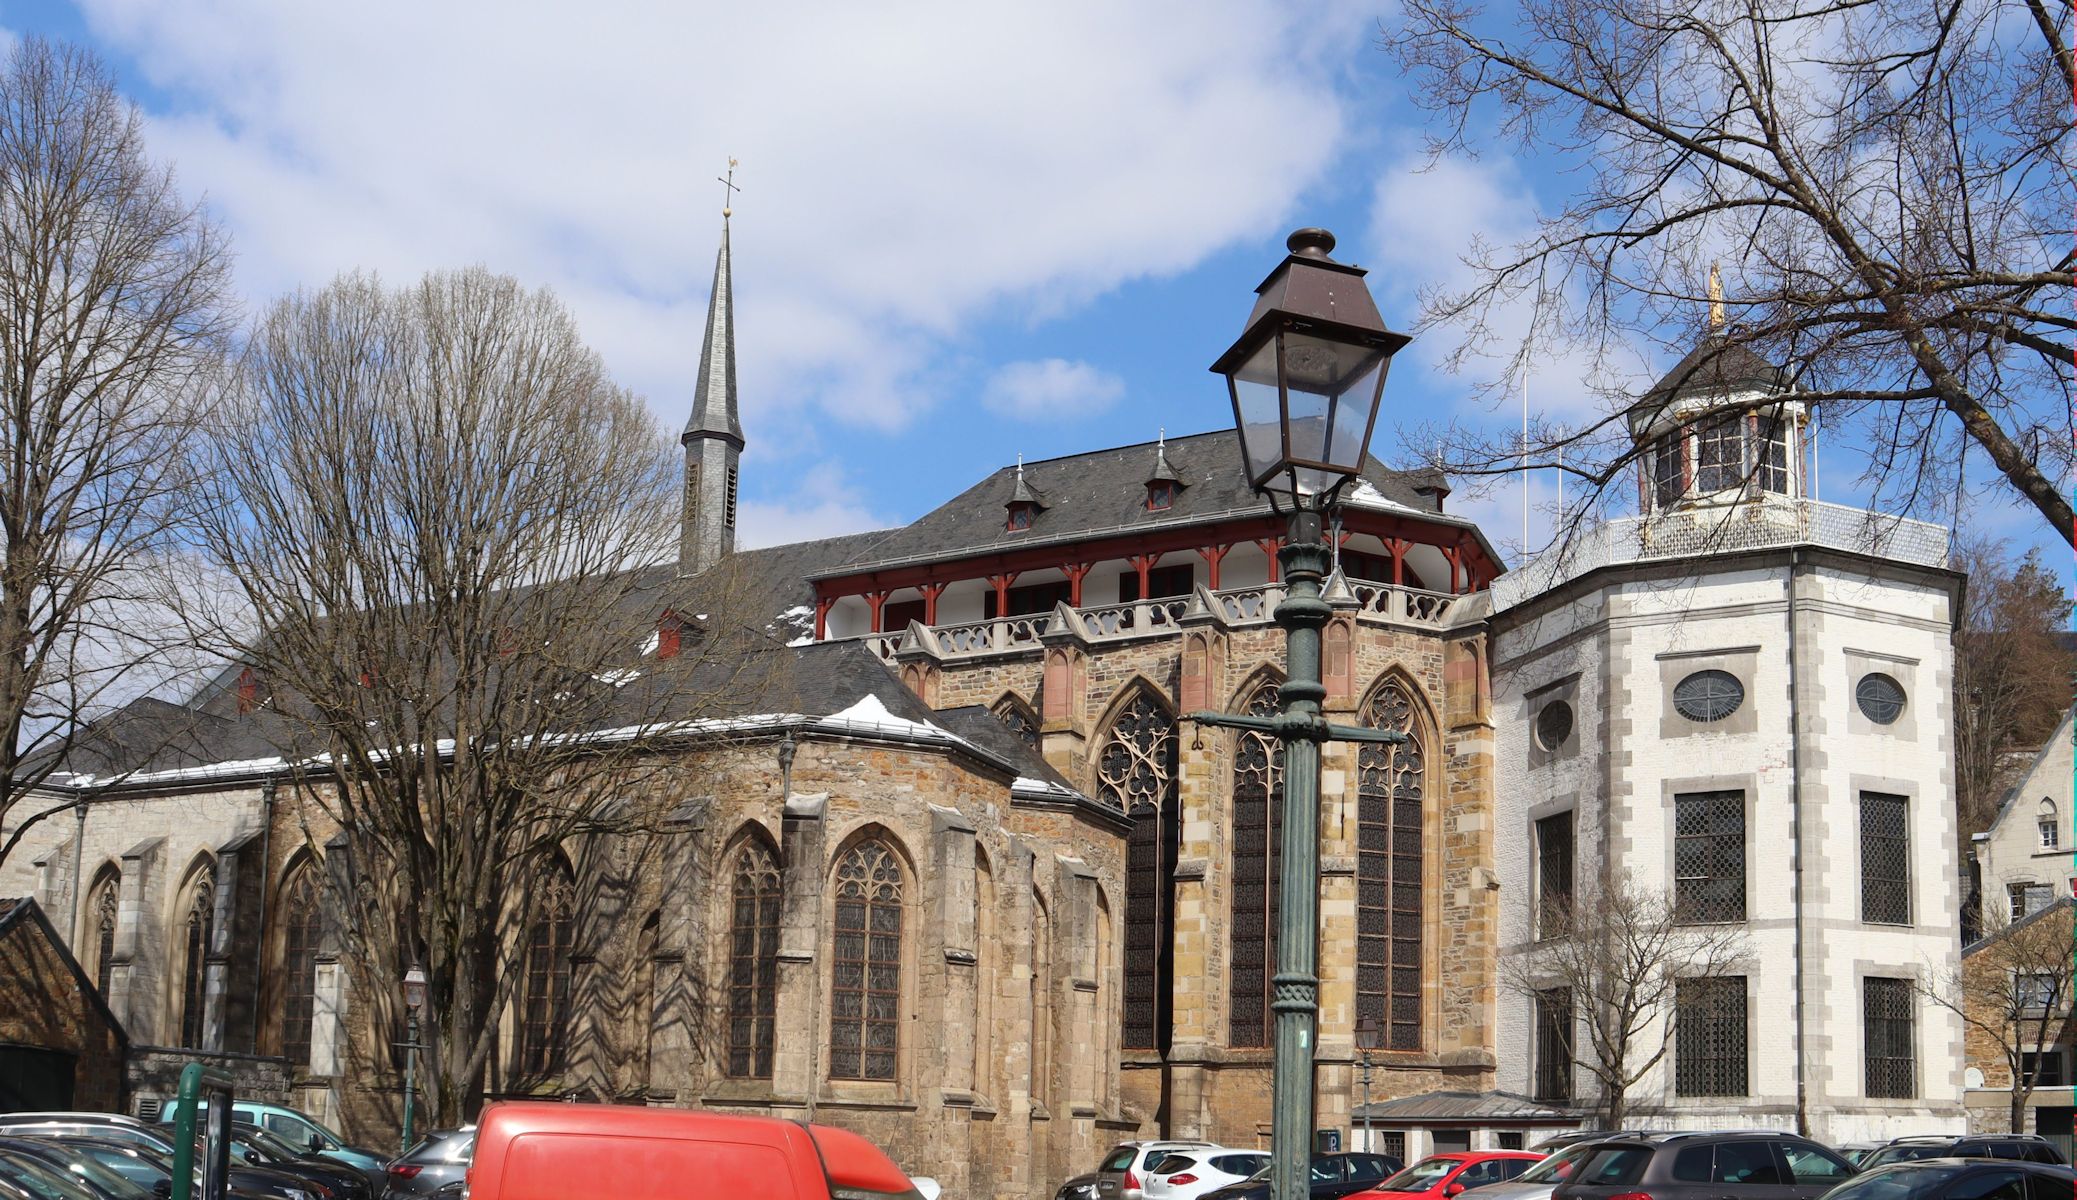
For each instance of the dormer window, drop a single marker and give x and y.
(1024, 504)
(1022, 512)
(1163, 483)
(1161, 494)
(1746, 451)
(670, 632)
(248, 690)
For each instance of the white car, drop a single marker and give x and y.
(1188, 1174)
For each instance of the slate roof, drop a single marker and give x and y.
(1716, 365)
(1104, 492)
(984, 729)
(1466, 1106)
(2039, 914)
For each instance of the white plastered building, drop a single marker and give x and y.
(1739, 699)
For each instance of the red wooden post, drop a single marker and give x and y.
(1001, 584)
(1144, 563)
(822, 604)
(1456, 559)
(667, 635)
(1399, 547)
(1075, 572)
(931, 592)
(1211, 556)
(874, 603)
(1270, 546)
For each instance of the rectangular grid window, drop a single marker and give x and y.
(1720, 454)
(1554, 1046)
(1709, 1051)
(1887, 1025)
(1885, 860)
(1770, 454)
(1392, 1144)
(2029, 898)
(1553, 875)
(1709, 857)
(2045, 1068)
(1668, 472)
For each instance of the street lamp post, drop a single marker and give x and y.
(414, 999)
(1366, 1041)
(1305, 378)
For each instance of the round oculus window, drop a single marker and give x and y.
(1708, 695)
(1553, 724)
(1881, 698)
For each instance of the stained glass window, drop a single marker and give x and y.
(1881, 698)
(753, 962)
(201, 912)
(1136, 771)
(1389, 795)
(104, 910)
(1013, 713)
(865, 992)
(1258, 768)
(547, 1004)
(300, 923)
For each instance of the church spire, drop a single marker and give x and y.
(713, 436)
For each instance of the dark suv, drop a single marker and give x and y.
(1705, 1166)
(2025, 1147)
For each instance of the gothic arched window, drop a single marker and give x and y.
(194, 969)
(1258, 792)
(546, 1008)
(753, 961)
(1014, 713)
(1388, 872)
(1136, 771)
(104, 907)
(865, 991)
(301, 927)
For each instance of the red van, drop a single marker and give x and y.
(533, 1151)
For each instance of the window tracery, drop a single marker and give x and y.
(105, 909)
(549, 941)
(201, 915)
(865, 992)
(1136, 771)
(1389, 799)
(753, 964)
(301, 929)
(1258, 791)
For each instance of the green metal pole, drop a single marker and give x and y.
(1296, 988)
(184, 1131)
(410, 1078)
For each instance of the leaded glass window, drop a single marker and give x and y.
(301, 928)
(201, 914)
(1669, 480)
(1887, 1033)
(1553, 874)
(1708, 696)
(1553, 725)
(1709, 857)
(545, 1010)
(1554, 1046)
(865, 976)
(753, 961)
(1018, 719)
(1880, 698)
(1709, 1037)
(1720, 453)
(1389, 793)
(1136, 771)
(1258, 768)
(1770, 454)
(1885, 860)
(104, 910)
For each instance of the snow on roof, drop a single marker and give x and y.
(1364, 494)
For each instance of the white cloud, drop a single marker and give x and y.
(907, 170)
(822, 503)
(1051, 389)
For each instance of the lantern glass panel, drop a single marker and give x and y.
(1333, 387)
(1258, 409)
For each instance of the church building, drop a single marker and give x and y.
(965, 877)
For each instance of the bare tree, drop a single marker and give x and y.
(442, 517)
(1619, 959)
(2012, 671)
(2015, 986)
(1885, 181)
(111, 305)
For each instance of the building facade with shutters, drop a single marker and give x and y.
(1737, 704)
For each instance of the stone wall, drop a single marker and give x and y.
(46, 1005)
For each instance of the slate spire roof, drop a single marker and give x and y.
(1718, 365)
(714, 391)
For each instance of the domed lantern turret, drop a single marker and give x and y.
(1307, 374)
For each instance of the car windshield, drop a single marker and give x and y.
(1907, 1152)
(1557, 1166)
(1421, 1176)
(42, 1179)
(1895, 1183)
(271, 1144)
(107, 1179)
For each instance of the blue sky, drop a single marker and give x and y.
(965, 232)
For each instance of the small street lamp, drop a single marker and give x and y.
(1306, 377)
(1366, 1041)
(414, 999)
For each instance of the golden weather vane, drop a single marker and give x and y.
(728, 181)
(1716, 296)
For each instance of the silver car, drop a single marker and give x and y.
(439, 1159)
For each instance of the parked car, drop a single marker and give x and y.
(46, 1182)
(1857, 1152)
(302, 1129)
(1123, 1172)
(1705, 1166)
(439, 1158)
(1188, 1174)
(107, 1182)
(1541, 1178)
(1573, 1137)
(1440, 1176)
(243, 1180)
(1081, 1187)
(110, 1126)
(1333, 1176)
(1960, 1179)
(543, 1151)
(2025, 1147)
(255, 1147)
